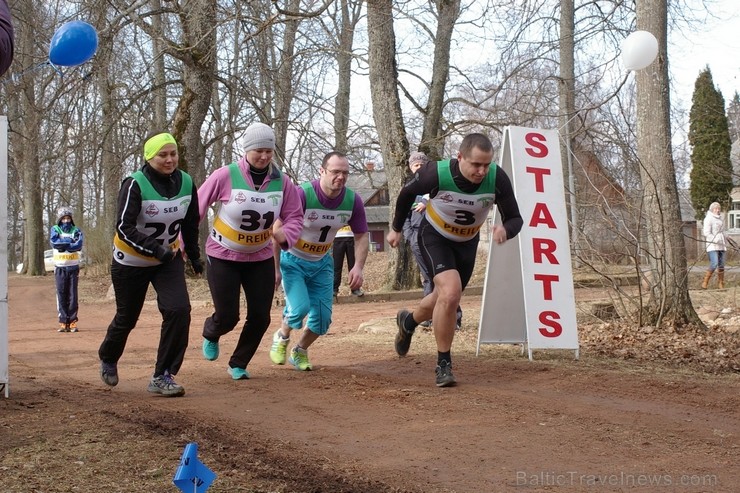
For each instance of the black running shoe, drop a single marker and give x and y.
(403, 337)
(445, 378)
(109, 373)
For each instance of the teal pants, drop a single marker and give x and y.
(308, 291)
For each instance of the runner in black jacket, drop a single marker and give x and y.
(157, 211)
(461, 193)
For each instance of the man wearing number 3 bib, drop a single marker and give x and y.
(157, 210)
(252, 194)
(461, 192)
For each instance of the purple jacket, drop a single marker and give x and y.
(358, 221)
(6, 37)
(217, 188)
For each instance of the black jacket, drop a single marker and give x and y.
(426, 180)
(129, 207)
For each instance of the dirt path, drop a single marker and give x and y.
(364, 420)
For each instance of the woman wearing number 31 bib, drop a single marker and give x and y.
(251, 195)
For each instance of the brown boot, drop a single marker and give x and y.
(720, 279)
(707, 277)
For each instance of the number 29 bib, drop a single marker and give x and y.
(160, 217)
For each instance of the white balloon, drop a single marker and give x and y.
(639, 49)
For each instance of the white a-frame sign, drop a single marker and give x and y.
(528, 293)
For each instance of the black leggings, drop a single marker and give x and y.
(131, 285)
(226, 279)
(342, 247)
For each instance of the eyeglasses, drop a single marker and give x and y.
(337, 172)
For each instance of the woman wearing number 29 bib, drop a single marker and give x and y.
(157, 211)
(251, 195)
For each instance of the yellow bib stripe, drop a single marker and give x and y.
(308, 247)
(63, 256)
(126, 249)
(241, 237)
(459, 231)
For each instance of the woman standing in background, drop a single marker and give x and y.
(714, 235)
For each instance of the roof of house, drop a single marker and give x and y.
(377, 214)
(367, 182)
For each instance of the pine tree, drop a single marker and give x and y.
(733, 117)
(709, 137)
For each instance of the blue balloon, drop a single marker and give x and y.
(74, 43)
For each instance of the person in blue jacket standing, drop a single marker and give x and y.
(66, 240)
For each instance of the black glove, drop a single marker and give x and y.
(61, 247)
(197, 265)
(165, 255)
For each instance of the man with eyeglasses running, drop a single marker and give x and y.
(307, 271)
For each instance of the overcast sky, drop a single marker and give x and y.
(717, 44)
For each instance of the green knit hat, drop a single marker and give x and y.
(154, 144)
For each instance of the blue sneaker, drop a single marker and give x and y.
(210, 350)
(238, 373)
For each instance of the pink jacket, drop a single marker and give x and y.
(217, 188)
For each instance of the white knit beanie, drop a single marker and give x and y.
(258, 136)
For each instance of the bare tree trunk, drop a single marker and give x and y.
(230, 125)
(432, 141)
(389, 121)
(160, 92)
(669, 303)
(350, 10)
(199, 66)
(16, 241)
(25, 138)
(28, 160)
(15, 230)
(32, 205)
(284, 85)
(110, 164)
(567, 95)
(219, 152)
(188, 120)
